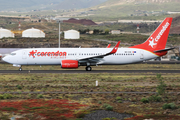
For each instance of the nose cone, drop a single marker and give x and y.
(5, 59)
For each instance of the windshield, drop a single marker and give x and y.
(13, 53)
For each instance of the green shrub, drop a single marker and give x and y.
(109, 118)
(172, 106)
(40, 96)
(118, 98)
(169, 106)
(81, 114)
(158, 76)
(105, 105)
(113, 118)
(155, 98)
(162, 86)
(109, 107)
(106, 119)
(19, 87)
(166, 106)
(120, 101)
(144, 100)
(99, 102)
(1, 97)
(7, 96)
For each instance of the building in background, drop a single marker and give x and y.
(115, 32)
(71, 34)
(6, 33)
(137, 28)
(33, 33)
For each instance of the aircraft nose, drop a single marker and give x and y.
(5, 59)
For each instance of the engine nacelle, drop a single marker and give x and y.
(69, 64)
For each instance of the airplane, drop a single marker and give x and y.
(71, 58)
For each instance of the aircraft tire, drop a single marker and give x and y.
(88, 68)
(20, 69)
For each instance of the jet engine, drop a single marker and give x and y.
(69, 64)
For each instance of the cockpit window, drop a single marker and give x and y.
(13, 53)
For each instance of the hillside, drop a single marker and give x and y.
(19, 5)
(152, 4)
(136, 9)
(175, 29)
(28, 5)
(78, 4)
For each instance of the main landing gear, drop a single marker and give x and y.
(20, 69)
(88, 68)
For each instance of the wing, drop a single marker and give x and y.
(96, 59)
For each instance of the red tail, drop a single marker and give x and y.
(157, 41)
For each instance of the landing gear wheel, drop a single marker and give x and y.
(20, 69)
(88, 68)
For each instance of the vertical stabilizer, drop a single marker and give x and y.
(157, 41)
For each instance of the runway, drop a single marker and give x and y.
(83, 71)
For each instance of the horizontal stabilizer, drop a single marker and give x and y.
(163, 50)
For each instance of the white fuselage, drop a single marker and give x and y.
(54, 56)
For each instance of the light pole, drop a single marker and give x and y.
(59, 31)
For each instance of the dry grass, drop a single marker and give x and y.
(128, 103)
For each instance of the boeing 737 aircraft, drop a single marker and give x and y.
(153, 47)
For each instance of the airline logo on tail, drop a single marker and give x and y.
(152, 43)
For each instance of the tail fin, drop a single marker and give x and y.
(157, 41)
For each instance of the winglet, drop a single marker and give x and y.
(115, 48)
(109, 46)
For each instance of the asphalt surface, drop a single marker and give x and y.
(101, 114)
(145, 62)
(93, 71)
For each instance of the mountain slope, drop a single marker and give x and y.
(26, 4)
(124, 8)
(46, 4)
(78, 4)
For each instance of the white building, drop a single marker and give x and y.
(6, 33)
(115, 31)
(71, 34)
(33, 33)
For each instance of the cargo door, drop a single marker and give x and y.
(141, 54)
